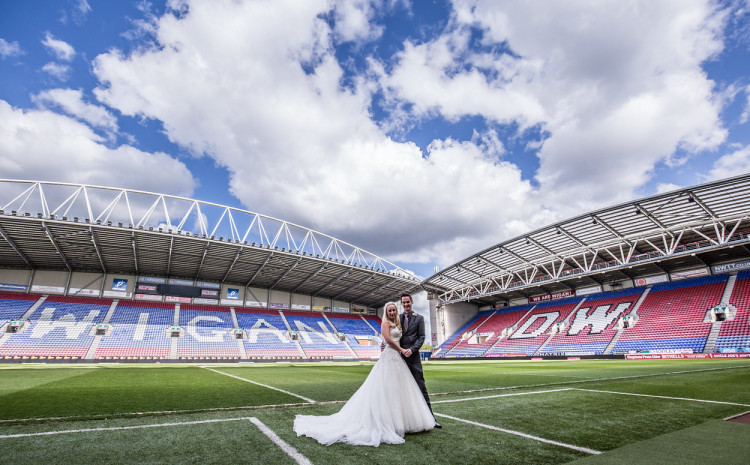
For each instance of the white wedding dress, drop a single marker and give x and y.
(387, 405)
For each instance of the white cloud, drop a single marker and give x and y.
(616, 86)
(299, 146)
(43, 145)
(9, 49)
(71, 102)
(667, 187)
(429, 76)
(60, 49)
(353, 20)
(57, 70)
(745, 116)
(83, 7)
(732, 164)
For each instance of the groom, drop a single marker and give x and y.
(411, 340)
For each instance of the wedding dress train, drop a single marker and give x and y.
(386, 406)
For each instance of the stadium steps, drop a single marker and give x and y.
(111, 310)
(95, 343)
(346, 341)
(33, 308)
(500, 338)
(377, 333)
(616, 337)
(297, 343)
(567, 324)
(175, 340)
(729, 288)
(476, 330)
(240, 342)
(712, 337)
(25, 317)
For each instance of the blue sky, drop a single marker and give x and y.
(419, 131)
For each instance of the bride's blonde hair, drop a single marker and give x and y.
(391, 323)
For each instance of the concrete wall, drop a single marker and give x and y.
(447, 319)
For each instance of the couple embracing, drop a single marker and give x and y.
(392, 401)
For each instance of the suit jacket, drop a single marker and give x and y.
(413, 336)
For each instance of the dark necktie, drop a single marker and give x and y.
(408, 319)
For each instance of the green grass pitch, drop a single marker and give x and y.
(514, 412)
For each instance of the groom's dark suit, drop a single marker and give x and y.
(413, 338)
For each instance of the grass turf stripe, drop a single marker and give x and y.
(288, 449)
(582, 381)
(523, 435)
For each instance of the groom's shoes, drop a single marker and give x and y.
(438, 425)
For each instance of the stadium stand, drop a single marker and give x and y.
(13, 305)
(532, 330)
(266, 334)
(317, 337)
(456, 337)
(734, 335)
(671, 317)
(594, 324)
(59, 327)
(139, 330)
(208, 332)
(488, 332)
(362, 338)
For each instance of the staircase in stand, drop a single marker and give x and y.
(611, 345)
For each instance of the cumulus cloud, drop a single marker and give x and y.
(71, 102)
(60, 49)
(298, 145)
(667, 187)
(617, 86)
(353, 20)
(616, 89)
(9, 49)
(745, 116)
(57, 148)
(57, 70)
(731, 164)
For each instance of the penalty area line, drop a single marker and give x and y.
(523, 435)
(283, 445)
(499, 395)
(260, 384)
(118, 428)
(661, 397)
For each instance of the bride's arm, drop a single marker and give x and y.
(385, 330)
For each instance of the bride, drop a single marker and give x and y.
(387, 405)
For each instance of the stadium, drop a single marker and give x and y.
(141, 326)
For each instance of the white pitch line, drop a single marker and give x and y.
(159, 412)
(260, 384)
(663, 397)
(288, 449)
(523, 435)
(499, 395)
(117, 428)
(736, 416)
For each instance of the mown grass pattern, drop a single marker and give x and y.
(131, 395)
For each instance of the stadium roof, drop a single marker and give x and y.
(688, 228)
(76, 227)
